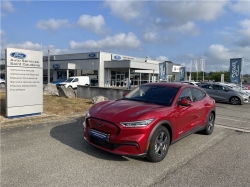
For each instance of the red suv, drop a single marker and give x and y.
(148, 119)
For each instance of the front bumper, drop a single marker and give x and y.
(121, 140)
(124, 149)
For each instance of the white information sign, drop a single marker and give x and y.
(176, 68)
(24, 82)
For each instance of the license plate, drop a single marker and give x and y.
(99, 135)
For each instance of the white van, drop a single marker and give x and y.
(72, 82)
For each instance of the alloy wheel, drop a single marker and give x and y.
(235, 101)
(161, 144)
(210, 124)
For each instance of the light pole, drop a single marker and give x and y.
(48, 67)
(153, 80)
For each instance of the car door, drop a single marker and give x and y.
(185, 115)
(200, 106)
(210, 91)
(220, 93)
(75, 82)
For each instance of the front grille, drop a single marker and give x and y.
(109, 145)
(102, 143)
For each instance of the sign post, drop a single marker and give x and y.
(235, 70)
(24, 82)
(202, 67)
(48, 67)
(162, 71)
(182, 73)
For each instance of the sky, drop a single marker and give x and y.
(179, 31)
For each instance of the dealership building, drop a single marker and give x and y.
(107, 69)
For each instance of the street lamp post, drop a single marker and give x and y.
(48, 67)
(153, 80)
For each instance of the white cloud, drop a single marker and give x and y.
(183, 11)
(188, 28)
(218, 51)
(162, 58)
(26, 45)
(217, 57)
(241, 6)
(35, 46)
(126, 10)
(245, 24)
(7, 6)
(119, 41)
(150, 37)
(1, 32)
(243, 39)
(92, 23)
(52, 24)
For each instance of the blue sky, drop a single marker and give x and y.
(179, 31)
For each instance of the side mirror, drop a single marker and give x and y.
(124, 94)
(184, 102)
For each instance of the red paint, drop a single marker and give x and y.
(106, 117)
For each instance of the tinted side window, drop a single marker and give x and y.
(76, 80)
(207, 86)
(197, 94)
(186, 94)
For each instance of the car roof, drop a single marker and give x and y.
(170, 84)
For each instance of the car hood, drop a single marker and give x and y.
(65, 82)
(125, 110)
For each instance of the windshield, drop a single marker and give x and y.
(69, 80)
(154, 94)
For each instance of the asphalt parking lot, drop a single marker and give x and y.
(233, 116)
(55, 154)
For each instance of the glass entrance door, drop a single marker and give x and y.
(120, 80)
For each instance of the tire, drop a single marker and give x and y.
(159, 144)
(235, 100)
(209, 124)
(2, 85)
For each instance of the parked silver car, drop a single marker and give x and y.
(222, 93)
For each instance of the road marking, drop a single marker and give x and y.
(234, 119)
(233, 128)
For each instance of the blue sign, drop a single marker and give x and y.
(92, 55)
(182, 73)
(18, 55)
(162, 71)
(235, 70)
(117, 57)
(56, 66)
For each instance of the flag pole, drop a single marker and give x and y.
(196, 70)
(190, 71)
(242, 64)
(203, 68)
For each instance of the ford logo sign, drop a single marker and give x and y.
(117, 57)
(56, 66)
(92, 55)
(18, 55)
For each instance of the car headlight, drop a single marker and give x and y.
(87, 115)
(142, 123)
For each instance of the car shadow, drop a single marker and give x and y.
(71, 134)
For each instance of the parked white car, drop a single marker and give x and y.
(2, 83)
(237, 88)
(190, 82)
(73, 82)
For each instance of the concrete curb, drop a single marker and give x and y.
(35, 120)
